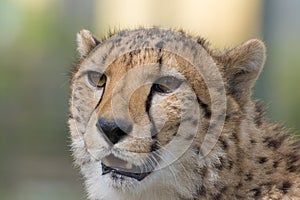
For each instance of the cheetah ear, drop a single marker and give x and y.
(85, 42)
(242, 67)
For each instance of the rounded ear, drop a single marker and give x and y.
(86, 42)
(242, 66)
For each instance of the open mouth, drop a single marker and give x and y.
(112, 164)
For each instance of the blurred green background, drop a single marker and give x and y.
(38, 49)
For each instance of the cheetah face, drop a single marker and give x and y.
(132, 112)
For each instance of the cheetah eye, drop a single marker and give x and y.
(96, 79)
(166, 84)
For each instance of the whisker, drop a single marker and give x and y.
(178, 160)
(158, 163)
(171, 169)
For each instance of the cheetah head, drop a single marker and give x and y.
(147, 107)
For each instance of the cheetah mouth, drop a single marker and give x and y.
(112, 164)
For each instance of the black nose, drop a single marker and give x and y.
(111, 129)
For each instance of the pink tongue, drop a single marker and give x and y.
(114, 162)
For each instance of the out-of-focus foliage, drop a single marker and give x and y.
(280, 80)
(37, 51)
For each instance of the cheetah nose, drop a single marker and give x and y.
(112, 130)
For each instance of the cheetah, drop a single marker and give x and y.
(158, 114)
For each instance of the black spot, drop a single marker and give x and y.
(181, 31)
(217, 196)
(268, 184)
(252, 141)
(111, 48)
(291, 168)
(229, 116)
(188, 138)
(230, 164)
(213, 124)
(220, 187)
(145, 44)
(275, 164)
(220, 164)
(75, 98)
(118, 41)
(201, 41)
(292, 158)
(104, 57)
(260, 111)
(160, 45)
(201, 190)
(207, 114)
(203, 172)
(187, 119)
(195, 122)
(224, 144)
(139, 36)
(77, 119)
(262, 160)
(130, 58)
(273, 143)
(240, 184)
(234, 136)
(257, 192)
(249, 177)
(291, 161)
(285, 187)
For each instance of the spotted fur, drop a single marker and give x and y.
(207, 139)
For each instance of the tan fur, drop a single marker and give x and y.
(204, 140)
